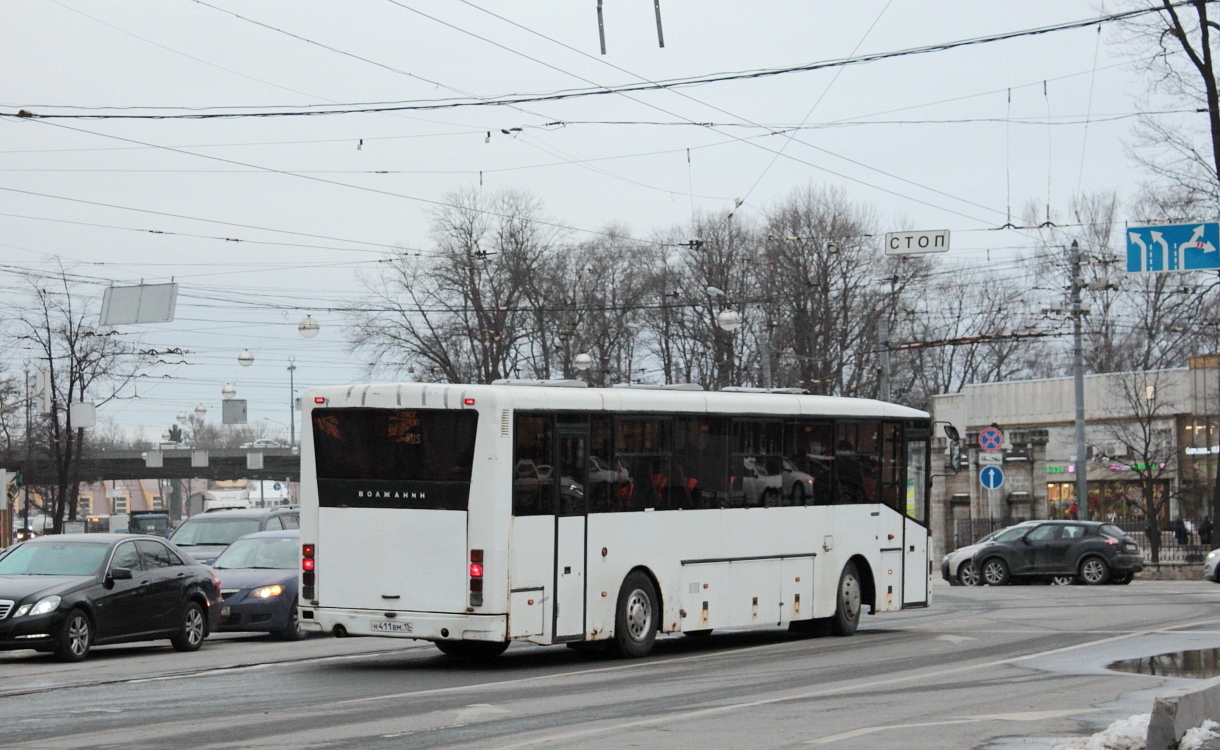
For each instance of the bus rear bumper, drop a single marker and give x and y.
(428, 626)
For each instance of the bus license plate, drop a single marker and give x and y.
(385, 626)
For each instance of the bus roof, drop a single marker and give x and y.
(544, 397)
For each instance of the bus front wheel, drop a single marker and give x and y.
(847, 602)
(636, 616)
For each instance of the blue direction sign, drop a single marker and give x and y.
(1173, 247)
(991, 477)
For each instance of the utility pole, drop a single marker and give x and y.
(292, 403)
(883, 338)
(29, 450)
(1078, 311)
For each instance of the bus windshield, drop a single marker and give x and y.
(399, 458)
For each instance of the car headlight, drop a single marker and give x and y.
(42, 607)
(266, 592)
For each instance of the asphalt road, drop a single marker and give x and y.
(982, 668)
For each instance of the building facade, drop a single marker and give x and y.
(1153, 440)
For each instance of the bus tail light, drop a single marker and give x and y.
(307, 571)
(476, 577)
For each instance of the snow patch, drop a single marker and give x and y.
(1130, 733)
(1196, 738)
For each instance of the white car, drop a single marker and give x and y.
(956, 567)
(1210, 565)
(263, 443)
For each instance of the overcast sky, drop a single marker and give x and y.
(943, 140)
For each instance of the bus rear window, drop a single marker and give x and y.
(394, 458)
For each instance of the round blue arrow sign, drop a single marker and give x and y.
(991, 477)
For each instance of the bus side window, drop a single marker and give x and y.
(643, 446)
(892, 491)
(809, 450)
(857, 463)
(533, 481)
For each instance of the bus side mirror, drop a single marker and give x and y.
(952, 433)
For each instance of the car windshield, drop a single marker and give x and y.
(63, 559)
(266, 552)
(201, 531)
(1011, 533)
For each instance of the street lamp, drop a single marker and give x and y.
(202, 410)
(292, 393)
(308, 327)
(246, 358)
(181, 417)
(228, 392)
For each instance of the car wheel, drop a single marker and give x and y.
(636, 616)
(967, 574)
(1094, 571)
(75, 637)
(1121, 579)
(190, 637)
(848, 602)
(1062, 580)
(994, 572)
(292, 632)
(472, 650)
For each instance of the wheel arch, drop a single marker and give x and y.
(198, 597)
(656, 587)
(868, 582)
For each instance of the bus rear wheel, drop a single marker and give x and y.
(472, 650)
(847, 602)
(636, 616)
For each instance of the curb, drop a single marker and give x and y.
(1181, 710)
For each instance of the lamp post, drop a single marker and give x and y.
(292, 395)
(582, 362)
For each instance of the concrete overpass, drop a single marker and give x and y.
(223, 464)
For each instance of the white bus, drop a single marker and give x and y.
(477, 515)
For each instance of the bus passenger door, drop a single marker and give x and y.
(569, 589)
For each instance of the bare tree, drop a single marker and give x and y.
(972, 326)
(466, 312)
(1175, 47)
(78, 357)
(826, 282)
(598, 305)
(1143, 420)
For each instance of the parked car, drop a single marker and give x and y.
(259, 575)
(957, 567)
(205, 536)
(263, 443)
(1210, 565)
(1092, 551)
(68, 592)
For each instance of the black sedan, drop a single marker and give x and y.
(68, 592)
(260, 584)
(1093, 552)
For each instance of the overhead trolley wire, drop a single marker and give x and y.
(510, 100)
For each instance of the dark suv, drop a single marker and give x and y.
(1092, 552)
(206, 535)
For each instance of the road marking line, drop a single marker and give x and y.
(728, 708)
(1028, 716)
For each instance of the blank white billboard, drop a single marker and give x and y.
(144, 303)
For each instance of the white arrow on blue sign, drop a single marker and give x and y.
(991, 477)
(1173, 247)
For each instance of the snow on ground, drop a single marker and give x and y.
(1131, 733)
